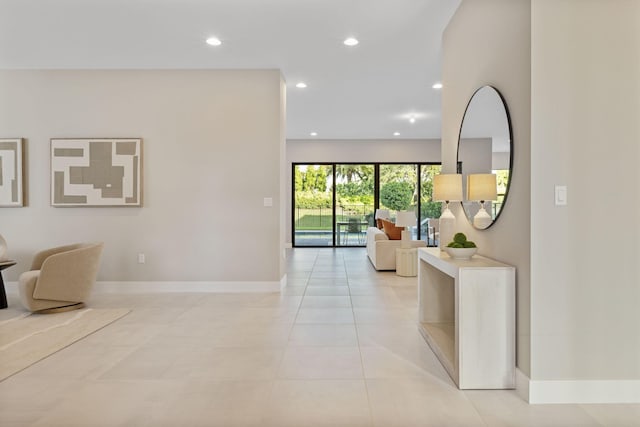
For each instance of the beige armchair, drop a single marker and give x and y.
(60, 278)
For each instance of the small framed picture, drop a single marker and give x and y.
(96, 172)
(11, 172)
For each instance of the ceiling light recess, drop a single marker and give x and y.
(351, 41)
(437, 85)
(396, 134)
(301, 85)
(214, 41)
(314, 134)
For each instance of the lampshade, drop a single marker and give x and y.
(406, 219)
(447, 187)
(482, 186)
(382, 213)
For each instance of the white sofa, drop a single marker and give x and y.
(382, 251)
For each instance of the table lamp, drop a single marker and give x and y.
(382, 214)
(482, 187)
(447, 188)
(406, 219)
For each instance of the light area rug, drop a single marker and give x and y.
(28, 337)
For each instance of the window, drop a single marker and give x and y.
(333, 204)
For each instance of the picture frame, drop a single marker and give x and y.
(96, 172)
(11, 172)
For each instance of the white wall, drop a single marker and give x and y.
(569, 72)
(213, 149)
(585, 281)
(488, 43)
(356, 151)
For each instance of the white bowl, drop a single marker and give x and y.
(461, 253)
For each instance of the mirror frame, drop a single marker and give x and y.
(458, 163)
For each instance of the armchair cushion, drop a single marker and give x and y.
(390, 229)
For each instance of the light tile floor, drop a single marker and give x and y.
(339, 347)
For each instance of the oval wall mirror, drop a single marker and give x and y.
(485, 156)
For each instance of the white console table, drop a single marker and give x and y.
(467, 316)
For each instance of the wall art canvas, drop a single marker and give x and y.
(11, 172)
(96, 172)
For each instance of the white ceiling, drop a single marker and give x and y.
(367, 91)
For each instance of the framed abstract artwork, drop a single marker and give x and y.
(11, 173)
(96, 172)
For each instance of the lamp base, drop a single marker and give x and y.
(447, 225)
(405, 243)
(482, 219)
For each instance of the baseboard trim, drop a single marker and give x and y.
(577, 391)
(133, 287)
(204, 286)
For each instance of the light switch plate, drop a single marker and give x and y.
(268, 201)
(561, 195)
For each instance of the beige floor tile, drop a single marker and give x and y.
(277, 300)
(327, 291)
(325, 315)
(214, 403)
(149, 362)
(314, 403)
(114, 403)
(615, 415)
(327, 281)
(384, 315)
(256, 334)
(394, 334)
(326, 302)
(502, 408)
(227, 363)
(323, 335)
(321, 363)
(376, 301)
(372, 290)
(418, 403)
(392, 362)
(294, 290)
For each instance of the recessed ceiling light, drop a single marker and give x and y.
(396, 134)
(412, 119)
(214, 41)
(314, 134)
(301, 85)
(351, 41)
(437, 85)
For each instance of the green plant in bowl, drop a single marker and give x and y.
(460, 247)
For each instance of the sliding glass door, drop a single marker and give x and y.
(334, 203)
(354, 203)
(313, 205)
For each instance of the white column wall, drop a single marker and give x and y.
(585, 294)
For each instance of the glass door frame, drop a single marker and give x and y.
(376, 196)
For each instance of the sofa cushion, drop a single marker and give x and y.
(390, 229)
(379, 223)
